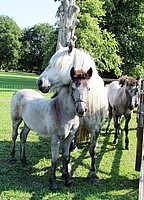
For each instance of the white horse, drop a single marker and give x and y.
(122, 99)
(58, 118)
(57, 73)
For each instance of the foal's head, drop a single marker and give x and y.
(79, 89)
(131, 91)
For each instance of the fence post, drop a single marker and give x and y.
(140, 127)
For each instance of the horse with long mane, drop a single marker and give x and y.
(57, 73)
(58, 118)
(122, 100)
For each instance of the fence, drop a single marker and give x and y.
(139, 165)
(13, 88)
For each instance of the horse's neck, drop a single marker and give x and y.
(65, 101)
(122, 95)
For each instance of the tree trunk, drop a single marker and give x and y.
(68, 22)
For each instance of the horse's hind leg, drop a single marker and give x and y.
(117, 128)
(55, 143)
(15, 125)
(109, 119)
(126, 132)
(23, 137)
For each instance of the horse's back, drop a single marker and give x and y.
(19, 100)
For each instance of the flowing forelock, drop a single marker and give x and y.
(80, 60)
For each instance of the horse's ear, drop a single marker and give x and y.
(89, 72)
(70, 46)
(72, 72)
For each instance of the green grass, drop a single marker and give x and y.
(118, 179)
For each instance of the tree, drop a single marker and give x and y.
(9, 42)
(34, 42)
(125, 19)
(68, 12)
(99, 43)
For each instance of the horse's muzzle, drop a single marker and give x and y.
(81, 111)
(42, 88)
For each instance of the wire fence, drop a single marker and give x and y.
(13, 88)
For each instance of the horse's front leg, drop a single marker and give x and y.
(92, 151)
(66, 160)
(23, 137)
(126, 131)
(55, 143)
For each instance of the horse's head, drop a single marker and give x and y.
(79, 88)
(52, 76)
(132, 97)
(46, 79)
(58, 71)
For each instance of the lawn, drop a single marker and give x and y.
(118, 179)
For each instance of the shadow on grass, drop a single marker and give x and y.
(34, 179)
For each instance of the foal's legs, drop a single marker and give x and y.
(126, 131)
(23, 137)
(15, 125)
(117, 128)
(92, 151)
(66, 160)
(55, 143)
(109, 119)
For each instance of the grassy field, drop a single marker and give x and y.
(118, 179)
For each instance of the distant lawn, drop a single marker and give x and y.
(118, 179)
(14, 80)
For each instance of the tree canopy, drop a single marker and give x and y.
(9, 42)
(37, 42)
(100, 43)
(111, 31)
(125, 19)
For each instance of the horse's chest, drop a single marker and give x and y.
(68, 128)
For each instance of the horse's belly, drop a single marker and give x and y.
(35, 119)
(37, 126)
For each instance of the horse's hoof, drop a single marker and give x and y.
(69, 183)
(107, 133)
(115, 141)
(53, 187)
(94, 178)
(127, 148)
(94, 181)
(13, 160)
(24, 163)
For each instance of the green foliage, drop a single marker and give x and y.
(50, 47)
(125, 19)
(9, 42)
(100, 43)
(34, 42)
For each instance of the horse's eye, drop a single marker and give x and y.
(88, 88)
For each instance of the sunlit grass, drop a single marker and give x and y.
(115, 166)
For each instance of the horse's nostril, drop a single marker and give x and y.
(39, 83)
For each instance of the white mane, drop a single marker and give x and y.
(62, 62)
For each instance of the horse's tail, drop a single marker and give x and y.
(16, 106)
